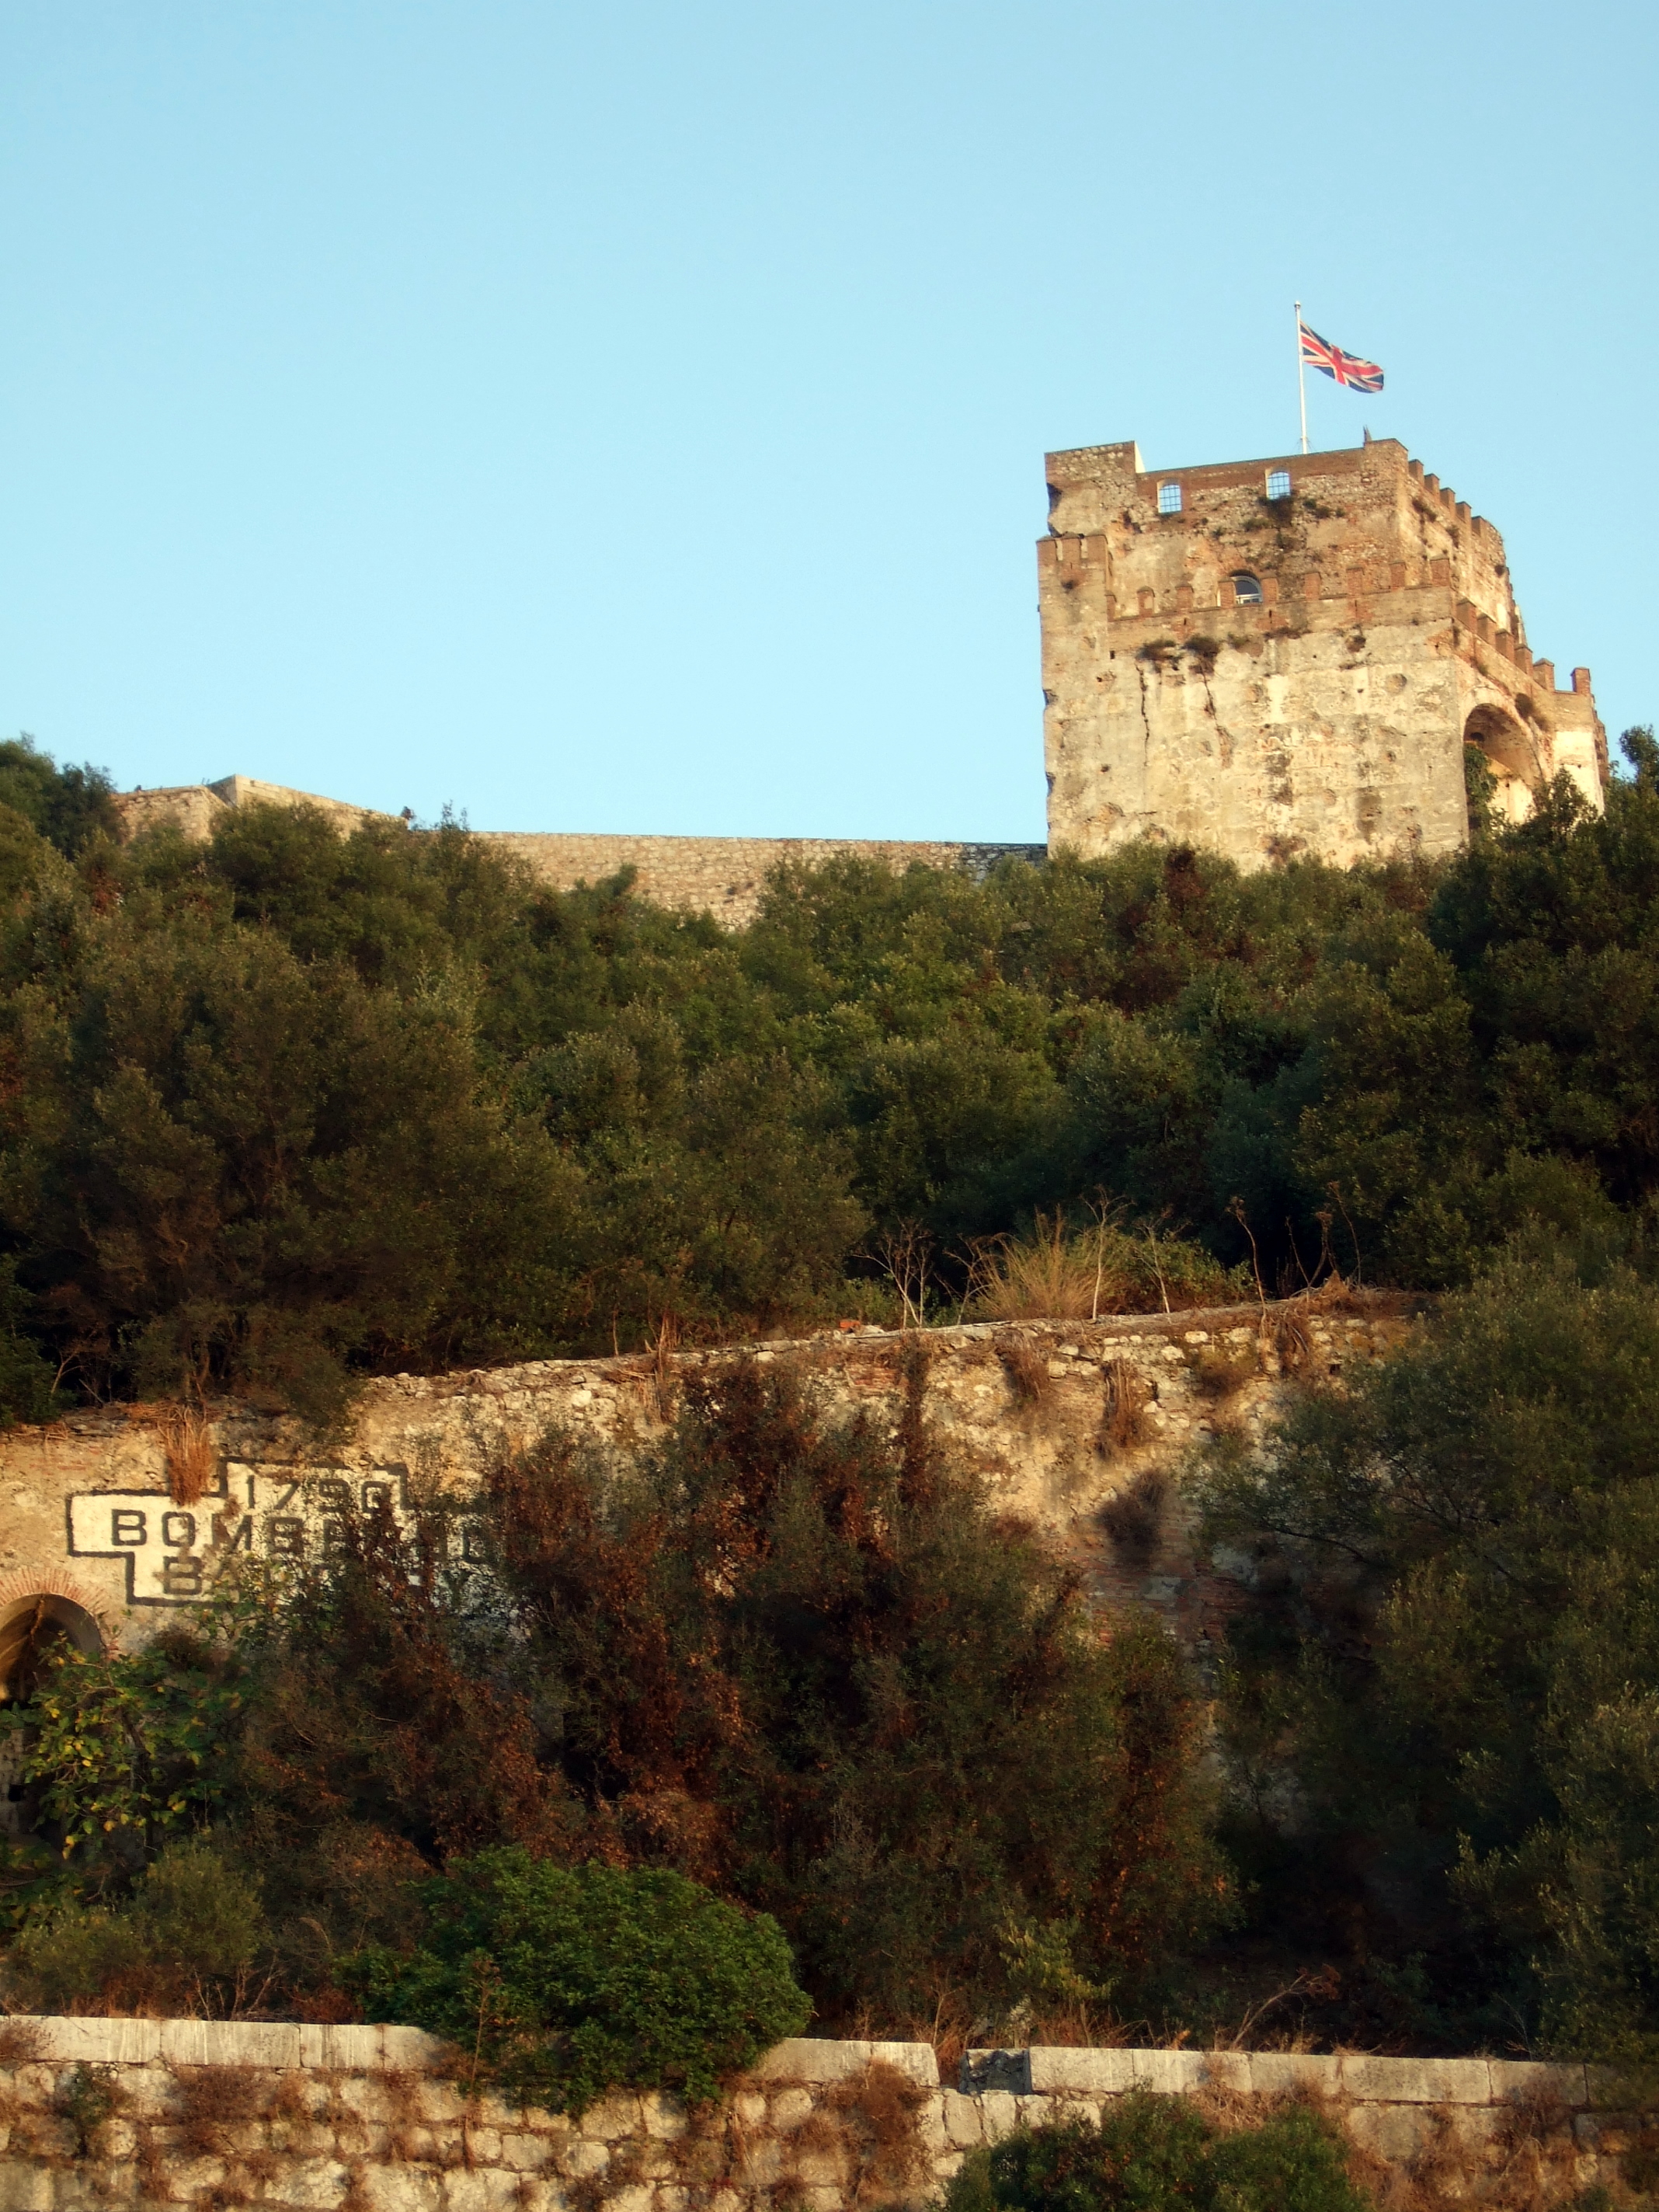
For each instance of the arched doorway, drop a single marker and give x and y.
(1512, 758)
(31, 1630)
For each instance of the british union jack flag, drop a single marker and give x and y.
(1346, 367)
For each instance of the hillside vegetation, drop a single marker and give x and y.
(284, 1107)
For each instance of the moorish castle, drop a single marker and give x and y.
(1270, 659)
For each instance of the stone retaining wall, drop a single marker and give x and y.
(101, 2113)
(1056, 1419)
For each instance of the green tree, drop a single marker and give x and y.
(1438, 1704)
(68, 806)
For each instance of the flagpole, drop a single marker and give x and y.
(1300, 377)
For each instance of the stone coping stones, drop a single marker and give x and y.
(1058, 2070)
(811, 2059)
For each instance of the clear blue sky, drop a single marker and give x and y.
(631, 416)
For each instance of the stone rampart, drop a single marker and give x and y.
(722, 876)
(727, 876)
(123, 1515)
(96, 2112)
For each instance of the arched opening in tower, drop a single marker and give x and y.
(1511, 759)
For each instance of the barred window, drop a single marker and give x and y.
(1279, 483)
(1169, 499)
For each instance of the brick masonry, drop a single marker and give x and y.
(141, 2112)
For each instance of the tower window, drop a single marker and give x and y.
(1169, 499)
(1247, 591)
(1279, 483)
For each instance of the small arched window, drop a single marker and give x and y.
(1279, 483)
(1169, 499)
(1247, 591)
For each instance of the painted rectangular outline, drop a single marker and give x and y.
(395, 1472)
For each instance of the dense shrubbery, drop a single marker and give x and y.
(1150, 2153)
(563, 1982)
(285, 1107)
(1441, 1704)
(806, 1668)
(288, 1107)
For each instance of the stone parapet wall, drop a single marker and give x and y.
(1056, 1418)
(726, 877)
(100, 2113)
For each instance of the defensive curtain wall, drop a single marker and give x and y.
(382, 2119)
(116, 1520)
(721, 876)
(1268, 659)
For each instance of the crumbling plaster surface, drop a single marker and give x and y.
(1055, 1418)
(100, 2113)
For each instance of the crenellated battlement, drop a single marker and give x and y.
(1287, 655)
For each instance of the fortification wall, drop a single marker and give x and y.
(1057, 1419)
(197, 809)
(94, 2112)
(722, 876)
(727, 876)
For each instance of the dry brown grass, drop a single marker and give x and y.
(1059, 1274)
(1047, 1276)
(1026, 1366)
(208, 2099)
(878, 2110)
(188, 1445)
(1123, 1422)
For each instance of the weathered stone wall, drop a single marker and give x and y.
(198, 808)
(727, 876)
(722, 876)
(1058, 1420)
(1326, 717)
(96, 2112)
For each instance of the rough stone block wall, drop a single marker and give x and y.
(1077, 1426)
(727, 876)
(722, 876)
(1270, 677)
(146, 2113)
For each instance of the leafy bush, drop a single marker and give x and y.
(561, 1983)
(285, 1107)
(66, 805)
(1161, 2154)
(184, 1942)
(802, 1663)
(121, 1748)
(1439, 1702)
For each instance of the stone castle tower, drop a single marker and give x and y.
(1287, 657)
